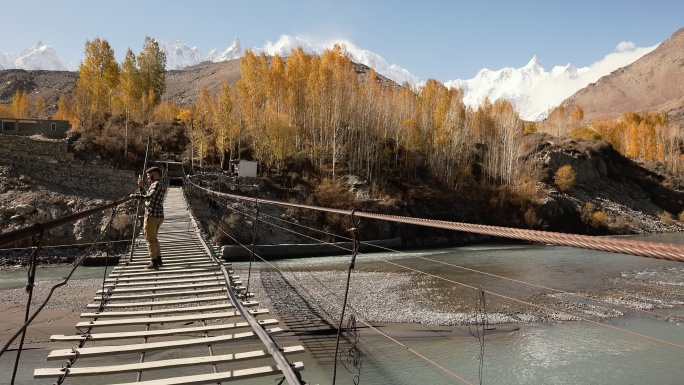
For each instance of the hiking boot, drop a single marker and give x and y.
(159, 261)
(153, 265)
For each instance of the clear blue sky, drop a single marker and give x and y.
(443, 39)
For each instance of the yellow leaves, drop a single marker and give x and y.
(184, 115)
(21, 105)
(565, 177)
(167, 111)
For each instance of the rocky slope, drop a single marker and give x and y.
(655, 82)
(41, 180)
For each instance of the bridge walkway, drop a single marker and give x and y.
(174, 325)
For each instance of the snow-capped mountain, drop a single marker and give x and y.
(40, 57)
(235, 51)
(516, 85)
(531, 89)
(180, 55)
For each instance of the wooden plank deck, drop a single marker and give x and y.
(184, 306)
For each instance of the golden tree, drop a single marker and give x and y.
(21, 105)
(96, 85)
(152, 71)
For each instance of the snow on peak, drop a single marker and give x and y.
(517, 85)
(530, 89)
(39, 57)
(534, 63)
(235, 51)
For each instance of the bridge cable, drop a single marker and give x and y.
(550, 310)
(620, 246)
(65, 280)
(530, 304)
(355, 234)
(291, 374)
(656, 314)
(254, 237)
(366, 323)
(32, 262)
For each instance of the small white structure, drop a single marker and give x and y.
(247, 168)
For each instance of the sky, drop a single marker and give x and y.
(440, 39)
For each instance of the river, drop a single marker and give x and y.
(633, 349)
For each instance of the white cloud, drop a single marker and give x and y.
(625, 46)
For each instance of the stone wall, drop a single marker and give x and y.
(49, 163)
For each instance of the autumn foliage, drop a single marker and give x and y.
(322, 109)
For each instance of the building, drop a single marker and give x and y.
(53, 129)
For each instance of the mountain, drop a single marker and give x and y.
(517, 86)
(531, 89)
(40, 57)
(655, 82)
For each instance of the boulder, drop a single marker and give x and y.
(24, 209)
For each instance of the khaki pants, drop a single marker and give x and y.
(151, 228)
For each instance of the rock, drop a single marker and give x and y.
(16, 217)
(71, 203)
(24, 209)
(58, 232)
(3, 210)
(96, 160)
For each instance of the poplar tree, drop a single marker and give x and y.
(152, 71)
(21, 105)
(98, 80)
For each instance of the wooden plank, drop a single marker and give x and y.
(159, 332)
(160, 295)
(158, 303)
(98, 351)
(164, 287)
(161, 273)
(172, 260)
(187, 279)
(178, 258)
(161, 364)
(139, 313)
(164, 277)
(169, 319)
(189, 262)
(233, 375)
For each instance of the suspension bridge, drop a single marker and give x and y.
(193, 321)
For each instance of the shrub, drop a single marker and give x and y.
(667, 218)
(565, 178)
(599, 219)
(584, 133)
(587, 212)
(531, 218)
(333, 194)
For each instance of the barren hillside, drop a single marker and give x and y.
(653, 83)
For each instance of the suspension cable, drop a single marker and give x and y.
(369, 325)
(355, 233)
(669, 252)
(550, 310)
(671, 317)
(621, 246)
(77, 263)
(29, 288)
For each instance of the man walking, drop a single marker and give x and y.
(154, 213)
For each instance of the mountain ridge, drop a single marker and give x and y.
(531, 89)
(655, 82)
